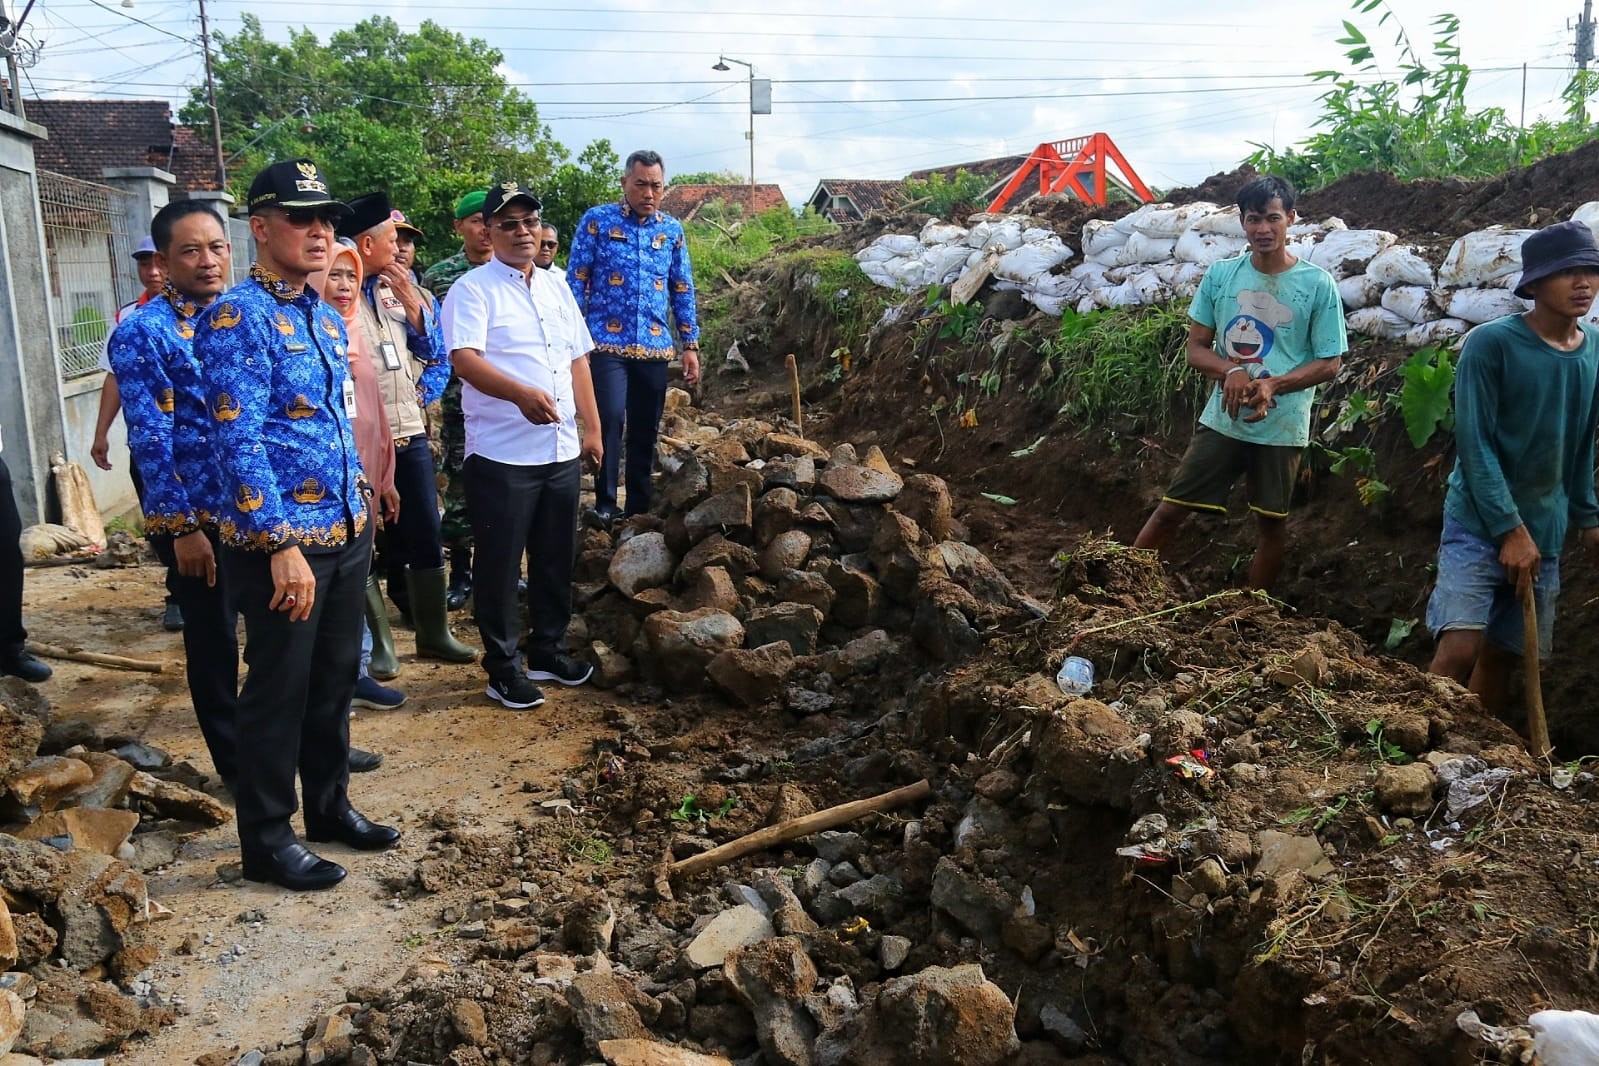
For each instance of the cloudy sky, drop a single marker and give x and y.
(867, 90)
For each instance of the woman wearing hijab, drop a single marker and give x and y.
(341, 287)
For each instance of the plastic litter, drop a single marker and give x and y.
(1076, 676)
(1468, 792)
(1513, 1045)
(1192, 765)
(1565, 1037)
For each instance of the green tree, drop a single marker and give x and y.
(1416, 124)
(425, 116)
(941, 196)
(708, 177)
(595, 177)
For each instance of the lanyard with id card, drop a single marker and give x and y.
(391, 355)
(349, 399)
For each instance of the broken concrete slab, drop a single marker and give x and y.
(1282, 853)
(96, 829)
(728, 931)
(652, 1053)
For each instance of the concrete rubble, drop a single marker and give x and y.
(78, 828)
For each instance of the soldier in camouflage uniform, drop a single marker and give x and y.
(476, 249)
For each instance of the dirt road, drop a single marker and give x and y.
(253, 983)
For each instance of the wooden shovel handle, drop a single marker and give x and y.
(1537, 724)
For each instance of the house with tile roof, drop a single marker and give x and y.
(87, 136)
(852, 199)
(683, 202)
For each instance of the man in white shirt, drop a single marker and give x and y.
(549, 244)
(520, 347)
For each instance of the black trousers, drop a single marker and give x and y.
(631, 394)
(519, 510)
(294, 711)
(12, 635)
(172, 567)
(211, 648)
(415, 540)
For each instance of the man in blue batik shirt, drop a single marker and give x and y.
(158, 378)
(628, 268)
(295, 530)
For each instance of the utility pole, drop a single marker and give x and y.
(1584, 55)
(211, 99)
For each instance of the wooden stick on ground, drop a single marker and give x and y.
(794, 389)
(795, 828)
(96, 658)
(1537, 724)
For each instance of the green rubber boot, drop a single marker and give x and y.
(432, 617)
(384, 666)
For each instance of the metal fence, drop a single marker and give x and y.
(87, 247)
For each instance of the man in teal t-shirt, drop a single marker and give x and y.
(1267, 328)
(1526, 411)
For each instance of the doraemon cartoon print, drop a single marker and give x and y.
(1252, 333)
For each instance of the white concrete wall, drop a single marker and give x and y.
(113, 489)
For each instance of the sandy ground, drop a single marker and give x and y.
(256, 983)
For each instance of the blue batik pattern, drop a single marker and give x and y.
(273, 363)
(427, 347)
(152, 355)
(626, 273)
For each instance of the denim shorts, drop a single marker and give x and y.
(1472, 592)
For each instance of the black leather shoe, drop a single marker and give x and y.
(172, 618)
(458, 592)
(19, 662)
(294, 867)
(364, 762)
(352, 828)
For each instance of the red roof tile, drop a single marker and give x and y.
(684, 201)
(865, 194)
(86, 136)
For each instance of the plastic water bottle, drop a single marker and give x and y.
(1076, 676)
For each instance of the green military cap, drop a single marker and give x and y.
(470, 204)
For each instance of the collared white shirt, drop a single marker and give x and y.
(529, 328)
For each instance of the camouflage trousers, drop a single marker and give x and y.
(451, 438)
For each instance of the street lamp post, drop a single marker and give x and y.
(722, 65)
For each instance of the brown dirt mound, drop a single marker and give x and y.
(1218, 188)
(1537, 195)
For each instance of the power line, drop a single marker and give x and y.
(140, 21)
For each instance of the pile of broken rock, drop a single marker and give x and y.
(74, 910)
(768, 557)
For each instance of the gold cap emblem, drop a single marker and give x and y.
(306, 169)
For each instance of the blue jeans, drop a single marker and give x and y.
(1473, 594)
(631, 394)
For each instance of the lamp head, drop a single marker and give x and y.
(721, 64)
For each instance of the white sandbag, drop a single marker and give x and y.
(1588, 215)
(1304, 248)
(1224, 223)
(1004, 235)
(1185, 282)
(1359, 290)
(1483, 305)
(1167, 272)
(1565, 1037)
(1378, 322)
(1128, 223)
(944, 263)
(1100, 235)
(937, 232)
(1306, 229)
(1172, 222)
(1478, 258)
(1345, 252)
(1089, 275)
(907, 272)
(1410, 301)
(1105, 257)
(1149, 286)
(977, 235)
(1332, 222)
(1435, 332)
(1030, 260)
(1207, 248)
(1507, 281)
(1141, 248)
(1401, 265)
(877, 273)
(875, 253)
(899, 244)
(1034, 234)
(1088, 303)
(1123, 295)
(975, 258)
(1050, 305)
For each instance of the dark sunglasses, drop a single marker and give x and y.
(301, 217)
(549, 244)
(511, 225)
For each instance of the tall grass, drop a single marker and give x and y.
(1120, 364)
(726, 244)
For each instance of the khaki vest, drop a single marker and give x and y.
(397, 386)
